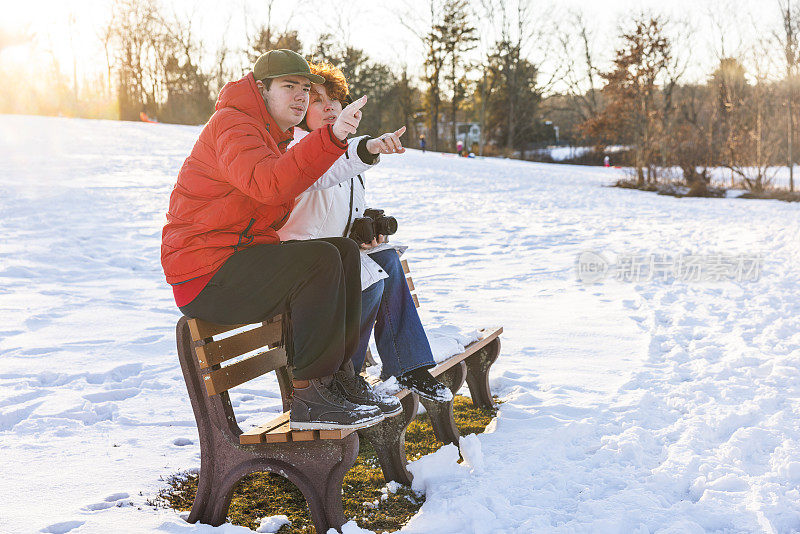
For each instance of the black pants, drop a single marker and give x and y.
(318, 282)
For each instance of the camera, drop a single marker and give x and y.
(384, 225)
(374, 223)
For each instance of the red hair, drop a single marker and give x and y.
(335, 84)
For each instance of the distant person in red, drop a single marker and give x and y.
(606, 162)
(220, 248)
(144, 117)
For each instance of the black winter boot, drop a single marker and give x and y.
(423, 384)
(355, 389)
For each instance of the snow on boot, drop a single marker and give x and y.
(355, 389)
(319, 406)
(421, 382)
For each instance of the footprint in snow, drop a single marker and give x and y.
(38, 351)
(109, 502)
(10, 418)
(117, 374)
(21, 398)
(148, 339)
(112, 395)
(35, 322)
(61, 528)
(9, 333)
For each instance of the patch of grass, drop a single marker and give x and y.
(262, 494)
(786, 196)
(633, 184)
(701, 189)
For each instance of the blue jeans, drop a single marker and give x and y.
(402, 344)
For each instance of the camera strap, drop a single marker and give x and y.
(349, 210)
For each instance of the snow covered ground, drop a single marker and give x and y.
(630, 406)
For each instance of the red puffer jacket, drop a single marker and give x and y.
(239, 184)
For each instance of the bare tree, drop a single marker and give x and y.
(523, 38)
(751, 143)
(133, 28)
(266, 37)
(427, 29)
(638, 94)
(106, 36)
(581, 74)
(435, 58)
(788, 42)
(407, 98)
(186, 92)
(459, 36)
(222, 71)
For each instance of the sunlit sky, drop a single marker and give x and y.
(68, 29)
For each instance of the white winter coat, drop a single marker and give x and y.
(323, 209)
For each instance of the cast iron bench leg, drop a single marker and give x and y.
(389, 441)
(441, 413)
(320, 481)
(478, 366)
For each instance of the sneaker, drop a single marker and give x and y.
(355, 389)
(320, 407)
(421, 382)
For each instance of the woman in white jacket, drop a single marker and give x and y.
(328, 209)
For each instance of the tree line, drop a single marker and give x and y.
(502, 65)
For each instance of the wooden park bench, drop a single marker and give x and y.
(316, 461)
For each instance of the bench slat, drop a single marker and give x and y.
(202, 329)
(305, 435)
(282, 433)
(404, 263)
(240, 372)
(416, 300)
(216, 352)
(334, 434)
(410, 283)
(256, 435)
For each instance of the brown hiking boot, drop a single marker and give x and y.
(320, 407)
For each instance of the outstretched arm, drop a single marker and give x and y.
(349, 165)
(272, 178)
(362, 153)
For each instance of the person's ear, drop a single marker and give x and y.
(261, 87)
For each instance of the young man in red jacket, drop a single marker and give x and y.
(221, 253)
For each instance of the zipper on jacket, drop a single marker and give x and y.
(243, 234)
(277, 224)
